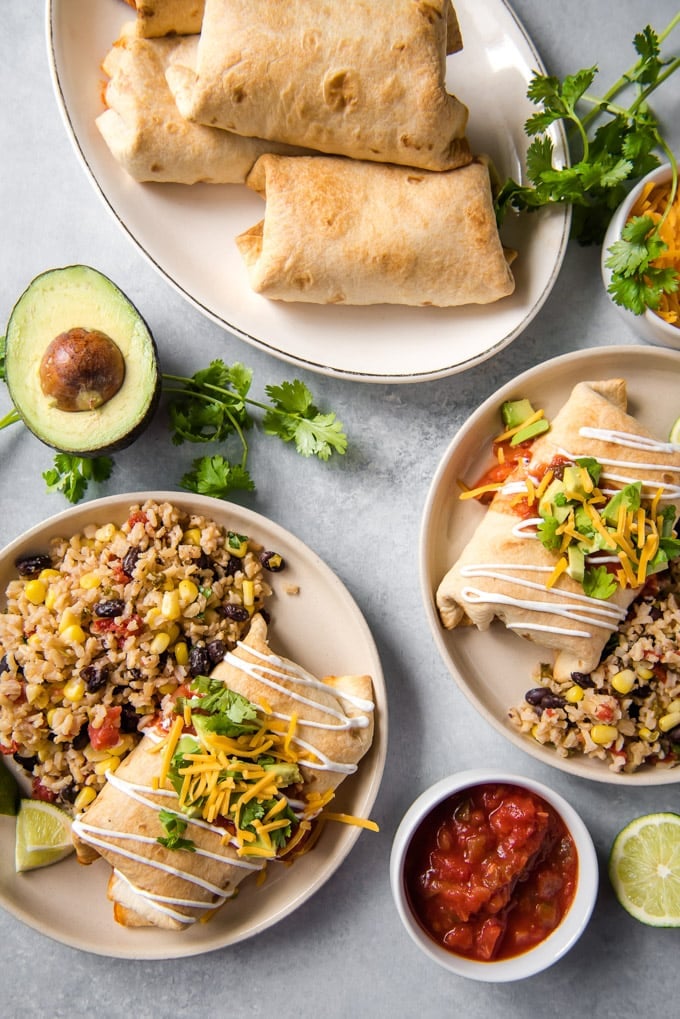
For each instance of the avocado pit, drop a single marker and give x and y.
(81, 369)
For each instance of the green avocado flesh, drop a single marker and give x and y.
(85, 321)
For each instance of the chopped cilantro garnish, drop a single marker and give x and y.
(174, 827)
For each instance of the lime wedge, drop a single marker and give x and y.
(675, 432)
(644, 869)
(9, 790)
(43, 835)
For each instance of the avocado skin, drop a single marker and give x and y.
(70, 289)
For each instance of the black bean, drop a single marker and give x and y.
(109, 608)
(272, 561)
(673, 734)
(232, 566)
(29, 565)
(129, 719)
(68, 795)
(234, 612)
(553, 700)
(27, 763)
(655, 613)
(633, 710)
(4, 664)
(130, 560)
(95, 675)
(535, 696)
(199, 661)
(641, 691)
(204, 562)
(80, 741)
(217, 650)
(583, 680)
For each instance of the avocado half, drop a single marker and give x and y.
(81, 364)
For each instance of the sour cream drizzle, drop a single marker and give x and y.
(571, 606)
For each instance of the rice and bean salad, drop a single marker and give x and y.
(627, 711)
(98, 629)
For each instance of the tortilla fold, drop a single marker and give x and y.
(167, 17)
(503, 569)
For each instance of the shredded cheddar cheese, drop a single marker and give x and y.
(651, 203)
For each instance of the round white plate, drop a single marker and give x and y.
(494, 668)
(68, 901)
(188, 232)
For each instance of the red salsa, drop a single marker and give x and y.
(491, 871)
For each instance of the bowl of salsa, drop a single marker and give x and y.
(494, 876)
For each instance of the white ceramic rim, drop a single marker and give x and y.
(559, 942)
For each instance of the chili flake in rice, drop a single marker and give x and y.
(98, 630)
(627, 711)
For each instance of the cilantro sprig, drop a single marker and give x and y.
(608, 160)
(174, 827)
(213, 406)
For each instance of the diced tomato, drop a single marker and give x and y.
(138, 517)
(108, 733)
(605, 713)
(41, 792)
(121, 628)
(11, 749)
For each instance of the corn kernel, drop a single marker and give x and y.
(51, 598)
(74, 634)
(50, 716)
(74, 690)
(237, 544)
(168, 688)
(603, 735)
(44, 752)
(170, 605)
(35, 641)
(673, 706)
(108, 764)
(105, 533)
(643, 671)
(68, 618)
(669, 721)
(35, 591)
(188, 592)
(48, 574)
(89, 581)
(248, 595)
(160, 643)
(574, 694)
(84, 798)
(168, 584)
(93, 755)
(121, 747)
(37, 695)
(192, 536)
(154, 618)
(181, 653)
(173, 631)
(648, 735)
(624, 681)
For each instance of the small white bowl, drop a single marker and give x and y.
(548, 951)
(649, 326)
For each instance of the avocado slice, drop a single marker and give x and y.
(81, 364)
(530, 431)
(515, 412)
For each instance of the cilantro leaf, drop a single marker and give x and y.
(599, 583)
(593, 466)
(215, 476)
(547, 533)
(174, 827)
(72, 474)
(294, 417)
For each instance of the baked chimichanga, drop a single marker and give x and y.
(145, 131)
(341, 231)
(362, 78)
(237, 777)
(571, 535)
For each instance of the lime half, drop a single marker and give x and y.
(43, 835)
(644, 869)
(675, 432)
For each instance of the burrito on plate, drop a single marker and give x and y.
(252, 756)
(571, 535)
(146, 133)
(364, 78)
(342, 231)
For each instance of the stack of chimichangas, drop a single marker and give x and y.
(338, 115)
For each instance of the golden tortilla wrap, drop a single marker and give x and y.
(340, 231)
(145, 131)
(503, 569)
(365, 78)
(329, 725)
(167, 17)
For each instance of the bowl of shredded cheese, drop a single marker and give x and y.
(649, 198)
